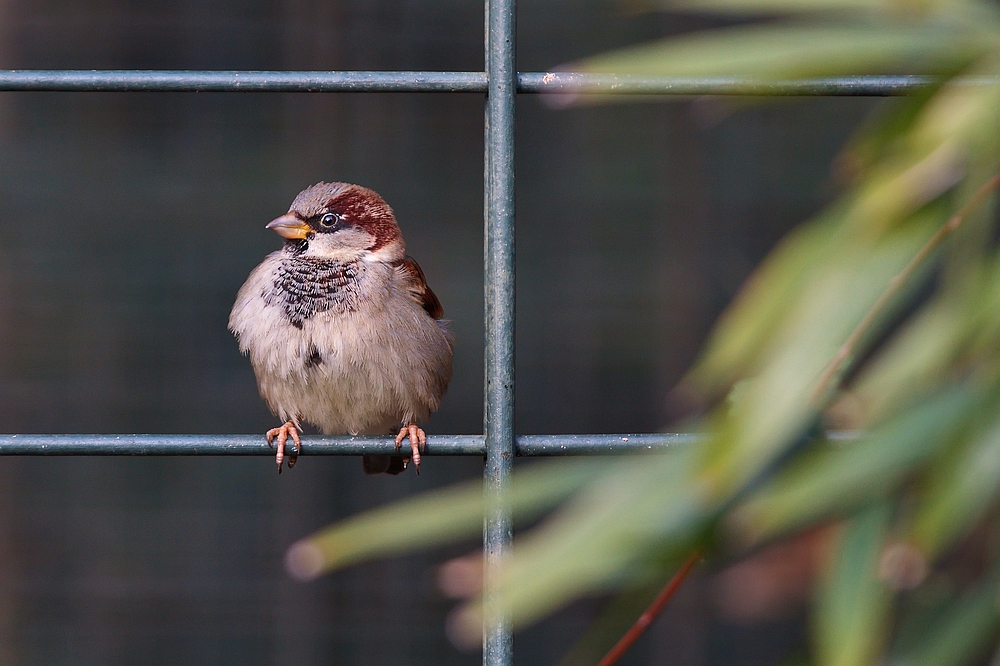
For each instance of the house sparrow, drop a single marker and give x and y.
(341, 328)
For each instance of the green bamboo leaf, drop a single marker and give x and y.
(788, 6)
(790, 51)
(969, 257)
(957, 636)
(955, 129)
(886, 128)
(896, 189)
(617, 617)
(779, 402)
(602, 539)
(910, 7)
(917, 359)
(920, 609)
(963, 113)
(959, 491)
(852, 606)
(750, 321)
(985, 342)
(436, 517)
(961, 322)
(837, 477)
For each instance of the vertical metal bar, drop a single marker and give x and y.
(498, 640)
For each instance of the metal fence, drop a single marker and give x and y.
(500, 82)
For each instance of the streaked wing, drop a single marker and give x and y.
(418, 288)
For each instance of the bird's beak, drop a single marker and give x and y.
(289, 226)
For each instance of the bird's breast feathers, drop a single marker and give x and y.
(346, 346)
(303, 288)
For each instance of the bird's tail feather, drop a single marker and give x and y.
(383, 464)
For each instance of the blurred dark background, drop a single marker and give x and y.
(128, 222)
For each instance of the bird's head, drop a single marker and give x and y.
(342, 222)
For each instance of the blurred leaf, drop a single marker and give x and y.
(964, 114)
(436, 517)
(918, 358)
(985, 342)
(837, 477)
(935, 344)
(921, 608)
(959, 491)
(602, 538)
(615, 619)
(958, 635)
(778, 402)
(852, 606)
(895, 189)
(882, 132)
(783, 6)
(968, 261)
(750, 321)
(956, 129)
(792, 51)
(909, 7)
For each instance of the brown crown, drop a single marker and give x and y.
(358, 205)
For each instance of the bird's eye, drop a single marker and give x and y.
(329, 220)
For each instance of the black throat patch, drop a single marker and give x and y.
(304, 287)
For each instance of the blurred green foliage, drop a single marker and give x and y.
(881, 315)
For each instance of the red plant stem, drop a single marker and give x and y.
(651, 613)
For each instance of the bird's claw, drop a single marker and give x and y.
(282, 433)
(418, 442)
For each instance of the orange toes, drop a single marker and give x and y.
(418, 442)
(282, 433)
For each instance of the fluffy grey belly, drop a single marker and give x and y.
(358, 373)
(325, 355)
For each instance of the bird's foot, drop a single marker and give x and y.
(282, 433)
(418, 442)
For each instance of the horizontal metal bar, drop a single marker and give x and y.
(565, 83)
(317, 445)
(239, 81)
